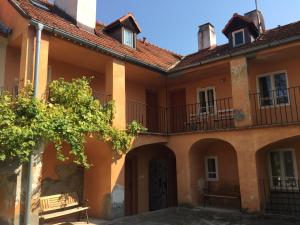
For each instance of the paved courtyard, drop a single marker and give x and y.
(199, 216)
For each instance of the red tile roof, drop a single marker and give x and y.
(279, 35)
(145, 52)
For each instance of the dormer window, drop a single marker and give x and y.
(124, 30)
(238, 37)
(128, 38)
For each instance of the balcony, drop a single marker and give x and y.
(276, 107)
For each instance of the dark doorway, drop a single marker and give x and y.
(152, 111)
(150, 179)
(131, 189)
(177, 110)
(158, 180)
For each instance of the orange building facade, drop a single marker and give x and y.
(223, 121)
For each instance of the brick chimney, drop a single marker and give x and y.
(206, 36)
(82, 11)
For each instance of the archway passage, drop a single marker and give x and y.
(150, 179)
(278, 169)
(214, 173)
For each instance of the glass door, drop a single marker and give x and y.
(283, 170)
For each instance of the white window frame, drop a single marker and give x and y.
(123, 37)
(294, 163)
(233, 37)
(206, 100)
(275, 104)
(206, 168)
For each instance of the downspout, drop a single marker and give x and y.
(39, 27)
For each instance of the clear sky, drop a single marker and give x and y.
(173, 24)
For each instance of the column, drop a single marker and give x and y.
(240, 92)
(249, 186)
(28, 51)
(115, 86)
(3, 45)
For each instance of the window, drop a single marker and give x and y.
(283, 172)
(238, 37)
(211, 166)
(128, 38)
(206, 100)
(273, 89)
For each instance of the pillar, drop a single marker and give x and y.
(240, 92)
(27, 62)
(3, 45)
(249, 186)
(115, 87)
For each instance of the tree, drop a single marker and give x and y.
(69, 115)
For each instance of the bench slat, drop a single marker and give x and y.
(221, 196)
(55, 202)
(63, 213)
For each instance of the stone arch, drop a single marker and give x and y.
(226, 178)
(150, 179)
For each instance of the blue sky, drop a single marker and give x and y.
(173, 24)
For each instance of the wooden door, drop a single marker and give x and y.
(177, 110)
(131, 188)
(152, 111)
(158, 180)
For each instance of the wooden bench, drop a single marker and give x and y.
(60, 205)
(223, 194)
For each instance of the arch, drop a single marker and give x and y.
(278, 169)
(205, 157)
(150, 179)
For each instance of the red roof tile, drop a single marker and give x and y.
(273, 35)
(122, 19)
(145, 52)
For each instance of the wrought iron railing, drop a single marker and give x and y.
(279, 106)
(154, 118)
(281, 196)
(211, 115)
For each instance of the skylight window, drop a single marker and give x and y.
(238, 37)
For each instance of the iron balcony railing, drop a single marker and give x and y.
(154, 118)
(281, 196)
(279, 106)
(102, 96)
(212, 115)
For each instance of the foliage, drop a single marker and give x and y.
(69, 115)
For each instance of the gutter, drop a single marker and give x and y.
(98, 48)
(39, 28)
(238, 53)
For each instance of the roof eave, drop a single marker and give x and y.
(238, 53)
(99, 48)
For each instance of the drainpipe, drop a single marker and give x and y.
(39, 28)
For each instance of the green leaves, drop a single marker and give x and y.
(69, 116)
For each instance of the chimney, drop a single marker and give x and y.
(257, 18)
(82, 11)
(206, 36)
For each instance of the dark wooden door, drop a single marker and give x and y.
(177, 110)
(131, 189)
(158, 180)
(152, 112)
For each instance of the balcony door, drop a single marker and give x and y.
(283, 170)
(177, 110)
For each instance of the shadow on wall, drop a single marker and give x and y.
(70, 179)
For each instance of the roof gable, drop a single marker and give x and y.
(126, 21)
(238, 22)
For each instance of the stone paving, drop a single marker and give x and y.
(199, 216)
